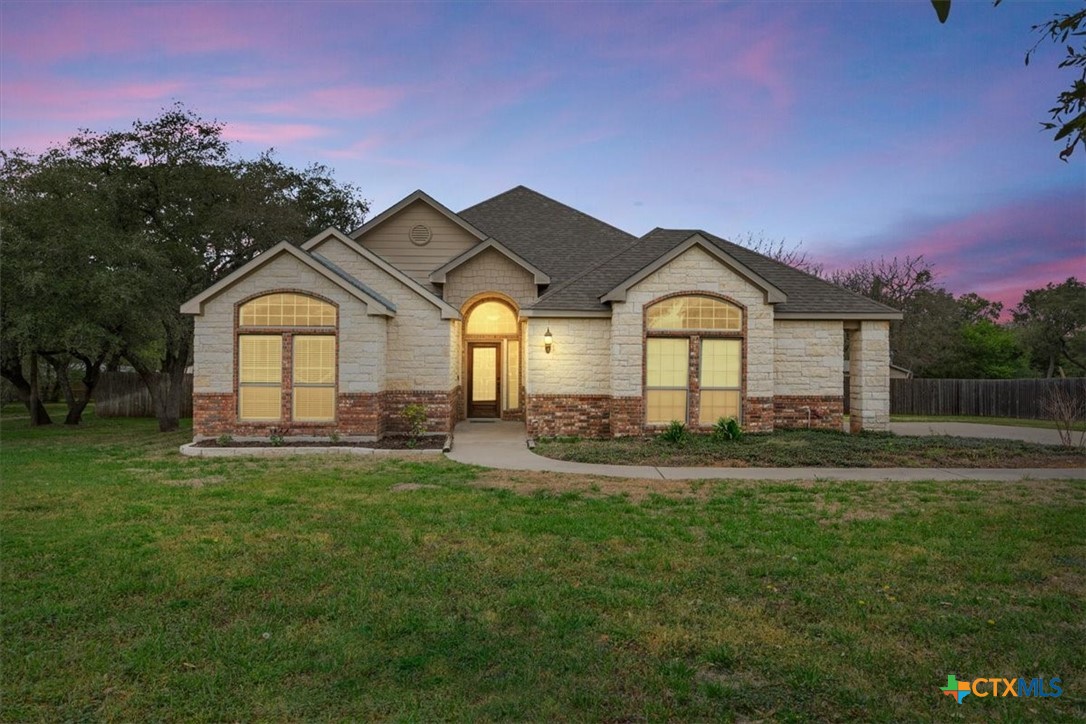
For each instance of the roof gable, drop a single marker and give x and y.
(447, 310)
(438, 275)
(773, 295)
(376, 305)
(406, 201)
(551, 236)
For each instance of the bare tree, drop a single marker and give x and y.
(791, 254)
(1068, 409)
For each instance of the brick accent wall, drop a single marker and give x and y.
(584, 415)
(370, 415)
(758, 414)
(440, 409)
(790, 411)
(627, 416)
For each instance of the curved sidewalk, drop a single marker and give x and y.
(503, 445)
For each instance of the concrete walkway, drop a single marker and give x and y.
(503, 445)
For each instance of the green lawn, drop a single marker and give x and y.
(138, 585)
(815, 448)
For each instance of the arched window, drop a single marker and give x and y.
(280, 322)
(287, 310)
(694, 313)
(491, 318)
(693, 338)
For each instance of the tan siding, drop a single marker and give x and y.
(490, 272)
(390, 241)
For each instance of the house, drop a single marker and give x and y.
(523, 308)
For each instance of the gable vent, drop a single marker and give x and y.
(420, 234)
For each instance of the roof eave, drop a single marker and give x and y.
(195, 305)
(773, 294)
(437, 276)
(418, 195)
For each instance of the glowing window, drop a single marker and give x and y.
(681, 313)
(287, 310)
(512, 375)
(721, 371)
(314, 378)
(260, 376)
(491, 318)
(667, 368)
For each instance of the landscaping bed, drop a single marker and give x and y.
(815, 448)
(387, 443)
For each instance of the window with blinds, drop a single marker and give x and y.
(667, 366)
(314, 388)
(260, 377)
(694, 313)
(721, 371)
(287, 310)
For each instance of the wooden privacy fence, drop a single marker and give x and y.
(985, 398)
(123, 394)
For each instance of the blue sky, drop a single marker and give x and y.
(857, 129)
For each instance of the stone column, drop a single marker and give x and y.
(869, 377)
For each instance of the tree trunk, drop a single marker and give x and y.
(38, 415)
(12, 371)
(60, 366)
(166, 387)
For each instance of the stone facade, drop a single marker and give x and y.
(578, 363)
(808, 358)
(359, 334)
(869, 377)
(418, 350)
(487, 271)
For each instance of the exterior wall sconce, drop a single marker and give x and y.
(548, 340)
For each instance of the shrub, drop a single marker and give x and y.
(1067, 409)
(276, 438)
(224, 440)
(675, 433)
(727, 428)
(415, 416)
(334, 438)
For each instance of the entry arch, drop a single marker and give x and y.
(492, 356)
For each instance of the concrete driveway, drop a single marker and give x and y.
(972, 429)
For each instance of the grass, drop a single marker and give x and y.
(139, 585)
(814, 448)
(1004, 421)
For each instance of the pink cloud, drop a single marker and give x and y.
(79, 102)
(272, 134)
(349, 101)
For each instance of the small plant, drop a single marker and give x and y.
(415, 416)
(1067, 409)
(224, 440)
(334, 438)
(675, 433)
(727, 428)
(276, 438)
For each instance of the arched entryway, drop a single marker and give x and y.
(492, 357)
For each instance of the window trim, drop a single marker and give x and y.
(286, 385)
(693, 386)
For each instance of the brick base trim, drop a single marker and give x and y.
(583, 415)
(358, 414)
(758, 414)
(818, 412)
(627, 416)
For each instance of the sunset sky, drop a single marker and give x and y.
(858, 129)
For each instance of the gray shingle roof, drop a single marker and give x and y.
(807, 294)
(354, 282)
(586, 257)
(558, 239)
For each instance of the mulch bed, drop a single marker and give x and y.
(388, 443)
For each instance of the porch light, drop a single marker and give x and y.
(548, 340)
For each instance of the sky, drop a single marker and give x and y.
(856, 130)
